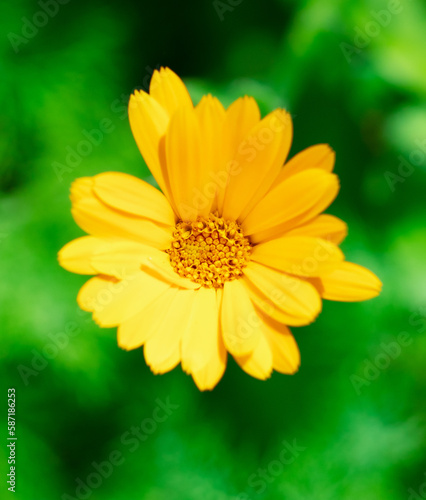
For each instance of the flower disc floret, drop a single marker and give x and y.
(209, 251)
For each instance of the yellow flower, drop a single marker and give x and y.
(231, 251)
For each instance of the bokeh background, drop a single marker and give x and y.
(353, 74)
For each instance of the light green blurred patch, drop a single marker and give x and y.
(406, 257)
(406, 127)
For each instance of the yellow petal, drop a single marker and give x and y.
(239, 319)
(299, 255)
(161, 345)
(241, 116)
(99, 220)
(169, 90)
(168, 363)
(75, 256)
(123, 258)
(293, 202)
(209, 375)
(134, 196)
(318, 156)
(285, 353)
(81, 188)
(158, 265)
(349, 282)
(211, 117)
(149, 122)
(112, 301)
(259, 363)
(266, 307)
(258, 160)
(87, 296)
(200, 338)
(298, 300)
(324, 226)
(136, 330)
(183, 152)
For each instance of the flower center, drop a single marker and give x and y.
(209, 251)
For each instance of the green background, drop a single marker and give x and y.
(360, 439)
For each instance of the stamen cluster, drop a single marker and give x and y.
(209, 251)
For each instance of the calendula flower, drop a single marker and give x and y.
(231, 251)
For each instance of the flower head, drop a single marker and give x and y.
(231, 251)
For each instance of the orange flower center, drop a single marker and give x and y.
(209, 251)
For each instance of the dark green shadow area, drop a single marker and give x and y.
(353, 75)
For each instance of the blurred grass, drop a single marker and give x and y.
(78, 70)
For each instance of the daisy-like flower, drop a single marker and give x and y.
(231, 251)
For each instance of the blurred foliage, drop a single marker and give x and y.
(78, 70)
